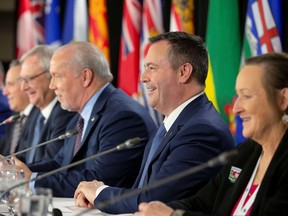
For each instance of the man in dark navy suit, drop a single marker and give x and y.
(107, 117)
(176, 67)
(51, 120)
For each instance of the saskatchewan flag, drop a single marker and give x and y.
(223, 43)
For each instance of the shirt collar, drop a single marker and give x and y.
(48, 109)
(87, 109)
(27, 110)
(169, 120)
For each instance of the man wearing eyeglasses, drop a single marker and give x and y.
(50, 121)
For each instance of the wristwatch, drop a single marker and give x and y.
(178, 212)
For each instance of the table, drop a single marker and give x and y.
(67, 207)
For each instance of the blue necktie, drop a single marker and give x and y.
(37, 133)
(156, 142)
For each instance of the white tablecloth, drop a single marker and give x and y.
(67, 207)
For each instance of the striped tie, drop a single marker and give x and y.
(17, 129)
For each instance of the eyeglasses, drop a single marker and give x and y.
(30, 79)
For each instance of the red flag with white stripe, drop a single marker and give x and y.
(152, 25)
(30, 29)
(128, 74)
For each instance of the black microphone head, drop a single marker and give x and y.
(57, 212)
(72, 132)
(15, 117)
(223, 158)
(68, 134)
(11, 119)
(129, 143)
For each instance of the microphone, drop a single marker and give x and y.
(67, 134)
(221, 159)
(11, 119)
(57, 212)
(126, 145)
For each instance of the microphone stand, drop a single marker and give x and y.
(222, 159)
(126, 145)
(68, 134)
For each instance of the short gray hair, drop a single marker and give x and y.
(86, 55)
(44, 54)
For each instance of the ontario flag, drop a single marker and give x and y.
(263, 33)
(128, 74)
(152, 25)
(30, 31)
(98, 29)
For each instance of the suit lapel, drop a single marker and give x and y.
(188, 112)
(96, 115)
(243, 178)
(279, 156)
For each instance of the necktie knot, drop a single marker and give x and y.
(40, 122)
(161, 131)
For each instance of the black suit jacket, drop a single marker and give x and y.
(54, 127)
(221, 194)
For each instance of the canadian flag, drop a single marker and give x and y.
(29, 25)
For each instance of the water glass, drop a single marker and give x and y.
(7, 164)
(37, 204)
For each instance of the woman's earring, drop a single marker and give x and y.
(285, 119)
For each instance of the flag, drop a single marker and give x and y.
(182, 16)
(98, 29)
(263, 28)
(223, 44)
(30, 29)
(128, 75)
(52, 23)
(75, 21)
(152, 25)
(263, 32)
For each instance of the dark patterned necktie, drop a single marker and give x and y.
(79, 126)
(156, 142)
(17, 129)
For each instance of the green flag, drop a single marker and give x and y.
(223, 43)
